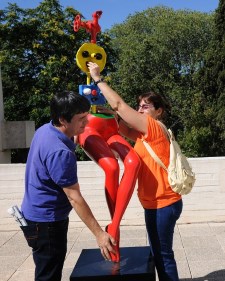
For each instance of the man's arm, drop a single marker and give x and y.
(81, 207)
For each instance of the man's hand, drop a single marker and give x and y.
(105, 242)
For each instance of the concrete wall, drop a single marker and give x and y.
(210, 171)
(206, 203)
(13, 134)
(207, 200)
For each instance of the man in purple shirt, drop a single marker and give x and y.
(52, 188)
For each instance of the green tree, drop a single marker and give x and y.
(210, 82)
(38, 48)
(37, 55)
(162, 49)
(220, 38)
(171, 52)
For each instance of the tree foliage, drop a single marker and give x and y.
(179, 54)
(211, 84)
(38, 48)
(37, 55)
(163, 50)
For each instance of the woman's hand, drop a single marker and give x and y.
(94, 70)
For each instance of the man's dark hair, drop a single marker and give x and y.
(66, 104)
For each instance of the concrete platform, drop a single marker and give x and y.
(136, 263)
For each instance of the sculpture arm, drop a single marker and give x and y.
(124, 128)
(127, 131)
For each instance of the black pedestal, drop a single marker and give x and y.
(135, 264)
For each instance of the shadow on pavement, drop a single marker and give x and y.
(213, 276)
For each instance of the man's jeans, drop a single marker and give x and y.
(160, 224)
(48, 241)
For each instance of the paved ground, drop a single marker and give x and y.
(199, 250)
(199, 240)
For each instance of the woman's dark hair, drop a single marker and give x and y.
(66, 104)
(157, 100)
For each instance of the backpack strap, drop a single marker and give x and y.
(165, 130)
(153, 154)
(169, 136)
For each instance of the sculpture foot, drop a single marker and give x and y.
(114, 257)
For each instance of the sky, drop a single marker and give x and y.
(116, 11)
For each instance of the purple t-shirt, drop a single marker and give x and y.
(51, 165)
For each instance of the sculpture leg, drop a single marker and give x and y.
(131, 163)
(98, 150)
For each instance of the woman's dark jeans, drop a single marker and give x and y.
(160, 224)
(48, 241)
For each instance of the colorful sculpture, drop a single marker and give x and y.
(101, 140)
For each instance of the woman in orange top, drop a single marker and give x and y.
(161, 205)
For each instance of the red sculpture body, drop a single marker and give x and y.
(103, 143)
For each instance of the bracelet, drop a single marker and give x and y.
(99, 81)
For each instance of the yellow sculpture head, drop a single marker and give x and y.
(90, 52)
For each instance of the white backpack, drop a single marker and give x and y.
(180, 175)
